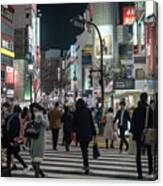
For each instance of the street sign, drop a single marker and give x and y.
(124, 84)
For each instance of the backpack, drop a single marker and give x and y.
(32, 130)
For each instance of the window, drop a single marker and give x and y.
(7, 14)
(7, 44)
(6, 29)
(140, 74)
(6, 60)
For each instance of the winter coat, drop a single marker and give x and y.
(38, 145)
(138, 120)
(126, 118)
(83, 125)
(55, 116)
(13, 133)
(67, 120)
(12, 127)
(108, 129)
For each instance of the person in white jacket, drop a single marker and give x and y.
(109, 129)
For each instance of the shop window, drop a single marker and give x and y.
(140, 74)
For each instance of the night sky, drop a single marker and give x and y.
(56, 30)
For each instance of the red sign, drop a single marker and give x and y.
(9, 75)
(128, 15)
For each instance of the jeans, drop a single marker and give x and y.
(123, 139)
(84, 149)
(14, 151)
(55, 134)
(139, 146)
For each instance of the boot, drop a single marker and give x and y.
(36, 169)
(112, 144)
(106, 143)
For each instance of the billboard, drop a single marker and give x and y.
(9, 75)
(107, 38)
(128, 15)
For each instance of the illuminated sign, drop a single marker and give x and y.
(7, 52)
(9, 75)
(107, 39)
(128, 15)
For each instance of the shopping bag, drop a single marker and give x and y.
(132, 145)
(149, 136)
(96, 152)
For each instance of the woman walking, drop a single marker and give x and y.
(85, 129)
(38, 144)
(108, 130)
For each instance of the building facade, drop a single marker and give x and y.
(27, 52)
(7, 53)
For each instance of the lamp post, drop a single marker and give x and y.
(80, 22)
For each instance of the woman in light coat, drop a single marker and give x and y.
(38, 144)
(108, 129)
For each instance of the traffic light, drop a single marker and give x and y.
(90, 79)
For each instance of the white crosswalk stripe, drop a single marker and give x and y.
(110, 165)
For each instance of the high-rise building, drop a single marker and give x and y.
(7, 53)
(27, 52)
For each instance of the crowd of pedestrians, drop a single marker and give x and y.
(26, 128)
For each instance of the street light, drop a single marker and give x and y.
(79, 21)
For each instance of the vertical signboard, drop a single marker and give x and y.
(9, 75)
(150, 31)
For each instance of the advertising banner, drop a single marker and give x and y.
(9, 75)
(107, 38)
(128, 15)
(150, 31)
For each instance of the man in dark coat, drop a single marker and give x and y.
(85, 129)
(13, 131)
(137, 127)
(123, 118)
(67, 120)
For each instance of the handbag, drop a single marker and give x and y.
(32, 130)
(96, 152)
(149, 134)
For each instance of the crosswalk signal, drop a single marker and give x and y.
(90, 79)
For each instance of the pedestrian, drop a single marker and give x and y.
(6, 112)
(123, 118)
(98, 117)
(137, 127)
(38, 144)
(13, 138)
(109, 129)
(85, 129)
(67, 120)
(24, 119)
(55, 116)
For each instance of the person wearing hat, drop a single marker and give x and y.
(123, 118)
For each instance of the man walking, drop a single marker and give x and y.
(137, 127)
(85, 129)
(123, 118)
(55, 116)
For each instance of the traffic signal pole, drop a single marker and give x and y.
(78, 23)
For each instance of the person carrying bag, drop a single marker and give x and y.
(149, 133)
(32, 130)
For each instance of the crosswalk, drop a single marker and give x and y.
(110, 165)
